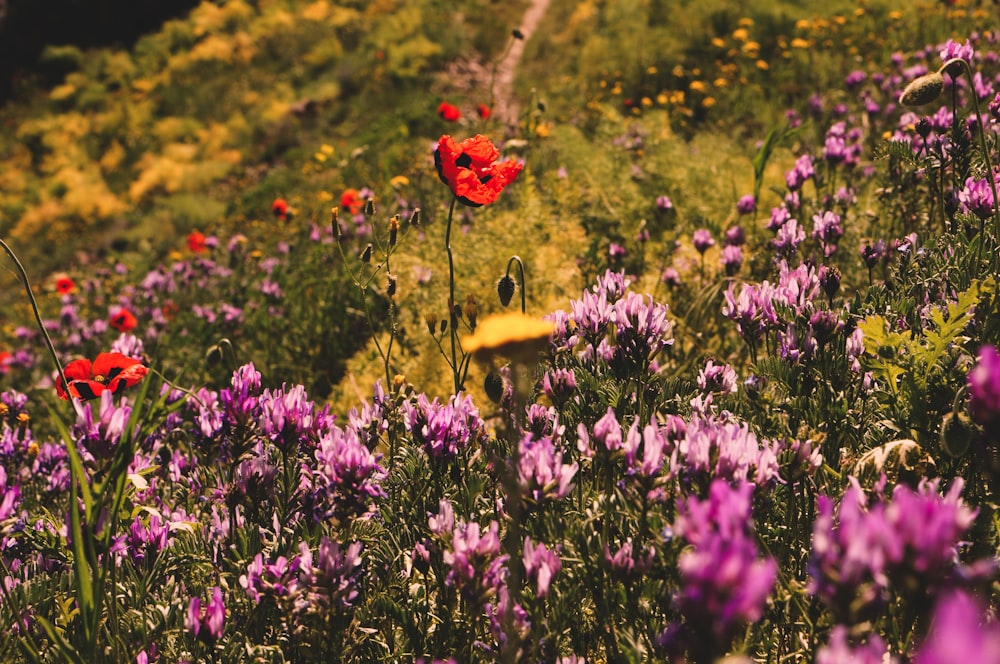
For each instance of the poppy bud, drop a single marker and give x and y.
(393, 230)
(366, 255)
(335, 222)
(922, 90)
(390, 287)
(444, 326)
(369, 206)
(415, 217)
(505, 289)
(213, 356)
(493, 385)
(517, 34)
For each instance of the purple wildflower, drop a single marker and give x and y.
(960, 633)
(664, 203)
(839, 650)
(540, 566)
(976, 198)
(732, 259)
(444, 429)
(720, 378)
(702, 240)
(207, 624)
(984, 386)
(746, 205)
(541, 473)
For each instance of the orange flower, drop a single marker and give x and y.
(109, 372)
(471, 170)
(351, 201)
(123, 320)
(280, 208)
(448, 112)
(65, 285)
(196, 242)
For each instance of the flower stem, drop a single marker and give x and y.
(452, 318)
(520, 269)
(38, 317)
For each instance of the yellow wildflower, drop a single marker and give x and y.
(513, 335)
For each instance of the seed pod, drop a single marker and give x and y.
(922, 90)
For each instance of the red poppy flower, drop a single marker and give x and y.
(196, 242)
(471, 171)
(123, 320)
(110, 372)
(351, 201)
(483, 110)
(65, 285)
(280, 208)
(5, 360)
(448, 112)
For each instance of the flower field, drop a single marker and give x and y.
(320, 343)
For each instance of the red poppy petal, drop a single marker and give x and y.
(127, 378)
(480, 150)
(106, 363)
(78, 370)
(86, 389)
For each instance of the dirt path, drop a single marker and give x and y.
(474, 79)
(507, 108)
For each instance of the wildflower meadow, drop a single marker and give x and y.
(562, 332)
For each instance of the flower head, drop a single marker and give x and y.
(196, 242)
(280, 208)
(483, 110)
(123, 320)
(984, 386)
(471, 170)
(449, 112)
(351, 201)
(109, 372)
(64, 284)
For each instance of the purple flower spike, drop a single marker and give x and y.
(960, 633)
(207, 625)
(540, 565)
(984, 387)
(702, 240)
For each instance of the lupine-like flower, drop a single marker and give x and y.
(861, 551)
(746, 205)
(329, 579)
(984, 387)
(788, 239)
(702, 240)
(541, 473)
(952, 49)
(444, 429)
(630, 560)
(476, 566)
(732, 259)
(109, 372)
(559, 385)
(541, 564)
(976, 198)
(724, 448)
(471, 170)
(345, 479)
(827, 229)
(719, 378)
(724, 580)
(800, 173)
(960, 632)
(207, 624)
(146, 540)
(839, 650)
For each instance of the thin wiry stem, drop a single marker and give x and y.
(38, 317)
